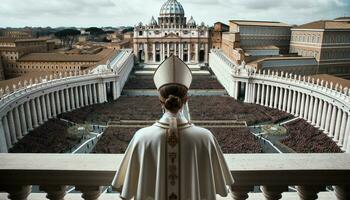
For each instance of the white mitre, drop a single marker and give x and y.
(172, 71)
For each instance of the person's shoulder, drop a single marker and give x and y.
(146, 132)
(201, 131)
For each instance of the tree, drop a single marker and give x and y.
(67, 36)
(95, 31)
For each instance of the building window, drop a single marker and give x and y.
(140, 33)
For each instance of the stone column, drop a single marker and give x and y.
(337, 125)
(154, 52)
(3, 143)
(28, 116)
(48, 106)
(258, 95)
(206, 59)
(319, 113)
(18, 128)
(43, 104)
(246, 93)
(175, 49)
(280, 99)
(81, 96)
(311, 106)
(162, 54)
(297, 111)
(86, 102)
(342, 129)
(58, 102)
(72, 99)
(189, 52)
(181, 51)
(90, 94)
(328, 118)
(95, 92)
(267, 96)
(302, 105)
(314, 112)
(275, 102)
(63, 101)
(307, 101)
(7, 131)
(12, 127)
(346, 144)
(285, 95)
(23, 120)
(53, 104)
(68, 100)
(196, 53)
(333, 121)
(77, 99)
(254, 93)
(34, 113)
(323, 116)
(294, 102)
(168, 49)
(262, 100)
(289, 100)
(272, 93)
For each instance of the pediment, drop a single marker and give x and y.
(171, 36)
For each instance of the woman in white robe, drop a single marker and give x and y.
(173, 159)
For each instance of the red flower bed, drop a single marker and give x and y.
(304, 138)
(231, 140)
(51, 137)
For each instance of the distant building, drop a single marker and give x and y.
(2, 74)
(16, 33)
(171, 34)
(328, 41)
(216, 35)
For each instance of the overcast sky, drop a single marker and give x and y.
(86, 13)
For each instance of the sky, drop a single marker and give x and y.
(102, 13)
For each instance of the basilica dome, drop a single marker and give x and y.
(172, 7)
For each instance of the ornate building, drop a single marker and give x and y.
(171, 34)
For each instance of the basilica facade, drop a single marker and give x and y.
(171, 34)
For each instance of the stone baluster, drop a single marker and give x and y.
(342, 192)
(89, 192)
(54, 192)
(309, 192)
(17, 192)
(240, 192)
(273, 192)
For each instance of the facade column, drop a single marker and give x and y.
(48, 106)
(289, 100)
(311, 106)
(29, 116)
(43, 104)
(189, 47)
(95, 92)
(12, 127)
(81, 96)
(168, 49)
(72, 98)
(267, 96)
(23, 120)
(337, 125)
(115, 96)
(246, 93)
(342, 129)
(18, 128)
(206, 53)
(196, 53)
(285, 95)
(319, 113)
(38, 109)
(254, 92)
(181, 51)
(90, 94)
(67, 100)
(307, 101)
(86, 102)
(34, 113)
(145, 46)
(323, 116)
(58, 102)
(3, 142)
(162, 52)
(76, 93)
(63, 101)
(154, 52)
(275, 102)
(297, 110)
(280, 99)
(7, 131)
(262, 100)
(314, 112)
(53, 104)
(333, 120)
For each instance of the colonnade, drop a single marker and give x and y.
(324, 105)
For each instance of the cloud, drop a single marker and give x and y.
(84, 13)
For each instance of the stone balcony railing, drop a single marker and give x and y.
(88, 173)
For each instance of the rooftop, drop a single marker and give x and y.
(259, 23)
(325, 24)
(58, 57)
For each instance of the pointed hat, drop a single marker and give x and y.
(172, 71)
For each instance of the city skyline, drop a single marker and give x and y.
(85, 13)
